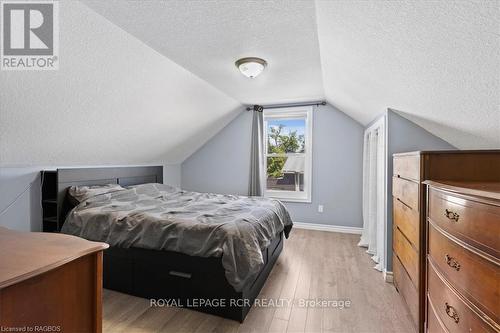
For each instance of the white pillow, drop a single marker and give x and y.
(82, 193)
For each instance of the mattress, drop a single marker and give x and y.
(163, 217)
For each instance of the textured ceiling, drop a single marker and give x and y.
(113, 100)
(436, 61)
(150, 81)
(207, 37)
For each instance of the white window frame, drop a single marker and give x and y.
(292, 113)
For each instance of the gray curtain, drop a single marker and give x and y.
(256, 155)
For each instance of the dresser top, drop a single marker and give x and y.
(27, 254)
(489, 190)
(430, 152)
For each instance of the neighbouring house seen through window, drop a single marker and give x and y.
(288, 136)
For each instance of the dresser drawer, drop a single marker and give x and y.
(407, 166)
(453, 312)
(434, 325)
(407, 255)
(406, 191)
(406, 288)
(463, 269)
(408, 221)
(475, 223)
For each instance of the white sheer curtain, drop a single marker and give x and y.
(373, 235)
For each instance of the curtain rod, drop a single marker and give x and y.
(286, 105)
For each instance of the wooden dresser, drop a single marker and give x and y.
(409, 211)
(50, 282)
(463, 257)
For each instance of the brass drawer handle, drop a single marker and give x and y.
(451, 215)
(452, 313)
(452, 262)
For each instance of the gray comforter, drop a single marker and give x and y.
(162, 217)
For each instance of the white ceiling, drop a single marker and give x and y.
(435, 61)
(207, 37)
(152, 81)
(113, 100)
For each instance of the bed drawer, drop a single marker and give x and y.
(408, 221)
(406, 288)
(406, 191)
(274, 245)
(463, 269)
(455, 314)
(117, 264)
(407, 166)
(475, 223)
(407, 255)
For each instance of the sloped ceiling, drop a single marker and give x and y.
(207, 37)
(435, 61)
(151, 81)
(113, 100)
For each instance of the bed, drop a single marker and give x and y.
(208, 252)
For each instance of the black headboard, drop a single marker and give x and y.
(124, 176)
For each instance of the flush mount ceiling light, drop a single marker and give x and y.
(251, 66)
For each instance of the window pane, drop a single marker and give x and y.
(286, 136)
(286, 173)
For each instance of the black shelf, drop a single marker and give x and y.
(49, 201)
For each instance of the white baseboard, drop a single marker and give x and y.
(388, 277)
(327, 227)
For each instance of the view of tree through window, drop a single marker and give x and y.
(285, 154)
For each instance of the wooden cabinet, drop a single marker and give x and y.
(407, 233)
(410, 170)
(50, 282)
(407, 220)
(462, 267)
(463, 261)
(470, 221)
(453, 312)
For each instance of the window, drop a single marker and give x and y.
(288, 156)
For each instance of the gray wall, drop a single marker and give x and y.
(20, 199)
(222, 165)
(404, 136)
(20, 195)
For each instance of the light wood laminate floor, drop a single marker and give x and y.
(313, 264)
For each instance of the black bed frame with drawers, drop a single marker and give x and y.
(165, 277)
